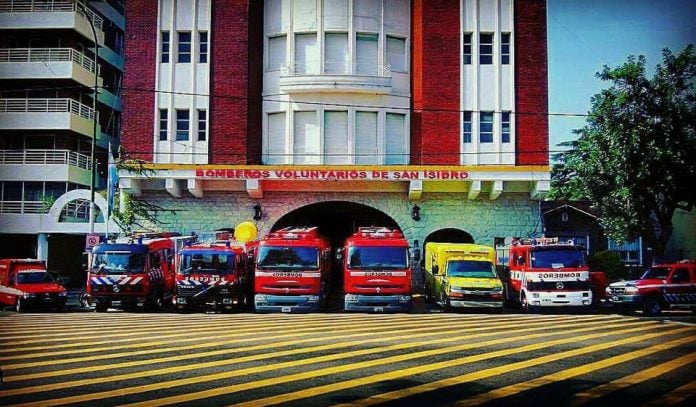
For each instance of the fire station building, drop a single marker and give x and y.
(426, 115)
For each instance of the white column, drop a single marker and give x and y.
(42, 246)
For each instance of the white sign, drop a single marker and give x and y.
(92, 239)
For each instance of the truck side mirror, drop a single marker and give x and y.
(436, 269)
(339, 254)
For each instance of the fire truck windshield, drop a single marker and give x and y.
(557, 257)
(470, 268)
(207, 263)
(283, 257)
(657, 273)
(34, 277)
(380, 257)
(119, 262)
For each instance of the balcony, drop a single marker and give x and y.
(47, 63)
(45, 165)
(50, 14)
(336, 77)
(46, 114)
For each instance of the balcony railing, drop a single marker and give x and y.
(356, 68)
(46, 106)
(78, 209)
(39, 157)
(37, 6)
(46, 55)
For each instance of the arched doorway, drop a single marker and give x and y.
(449, 235)
(336, 219)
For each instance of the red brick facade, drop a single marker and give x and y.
(435, 82)
(229, 73)
(139, 80)
(531, 83)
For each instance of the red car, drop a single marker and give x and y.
(25, 283)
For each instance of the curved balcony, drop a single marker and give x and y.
(336, 77)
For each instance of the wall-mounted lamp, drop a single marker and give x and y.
(415, 213)
(258, 211)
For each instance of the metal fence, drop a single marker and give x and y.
(37, 6)
(46, 55)
(52, 105)
(39, 157)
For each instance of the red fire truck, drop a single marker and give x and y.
(377, 273)
(663, 286)
(292, 271)
(544, 272)
(135, 272)
(25, 283)
(213, 276)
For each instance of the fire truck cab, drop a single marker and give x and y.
(544, 272)
(292, 270)
(663, 286)
(377, 271)
(212, 276)
(25, 283)
(137, 272)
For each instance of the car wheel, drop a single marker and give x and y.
(652, 307)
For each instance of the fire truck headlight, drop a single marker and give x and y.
(227, 301)
(63, 294)
(260, 297)
(404, 298)
(455, 288)
(585, 294)
(180, 300)
(351, 298)
(29, 295)
(535, 295)
(585, 302)
(607, 290)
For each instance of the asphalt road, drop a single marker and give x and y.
(424, 358)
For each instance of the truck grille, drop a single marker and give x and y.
(554, 285)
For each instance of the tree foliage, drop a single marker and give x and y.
(635, 158)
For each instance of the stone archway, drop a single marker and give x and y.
(449, 235)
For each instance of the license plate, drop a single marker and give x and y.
(378, 309)
(285, 309)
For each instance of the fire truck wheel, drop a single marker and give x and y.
(20, 307)
(158, 303)
(652, 307)
(101, 306)
(428, 295)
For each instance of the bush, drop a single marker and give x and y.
(608, 262)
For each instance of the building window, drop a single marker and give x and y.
(306, 147)
(485, 49)
(396, 54)
(184, 53)
(276, 52)
(366, 54)
(505, 48)
(336, 53)
(396, 139)
(306, 54)
(182, 124)
(203, 47)
(163, 118)
(202, 124)
(467, 127)
(336, 137)
(467, 49)
(366, 138)
(276, 139)
(165, 47)
(505, 127)
(486, 127)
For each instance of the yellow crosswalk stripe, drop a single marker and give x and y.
(590, 367)
(317, 373)
(676, 396)
(381, 398)
(630, 380)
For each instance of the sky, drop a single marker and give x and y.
(585, 35)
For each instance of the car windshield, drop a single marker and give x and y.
(470, 268)
(554, 257)
(371, 257)
(206, 263)
(34, 277)
(657, 273)
(119, 262)
(293, 257)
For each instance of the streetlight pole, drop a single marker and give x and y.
(92, 209)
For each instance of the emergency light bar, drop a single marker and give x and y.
(378, 232)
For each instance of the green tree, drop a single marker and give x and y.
(635, 158)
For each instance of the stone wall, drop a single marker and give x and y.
(509, 215)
